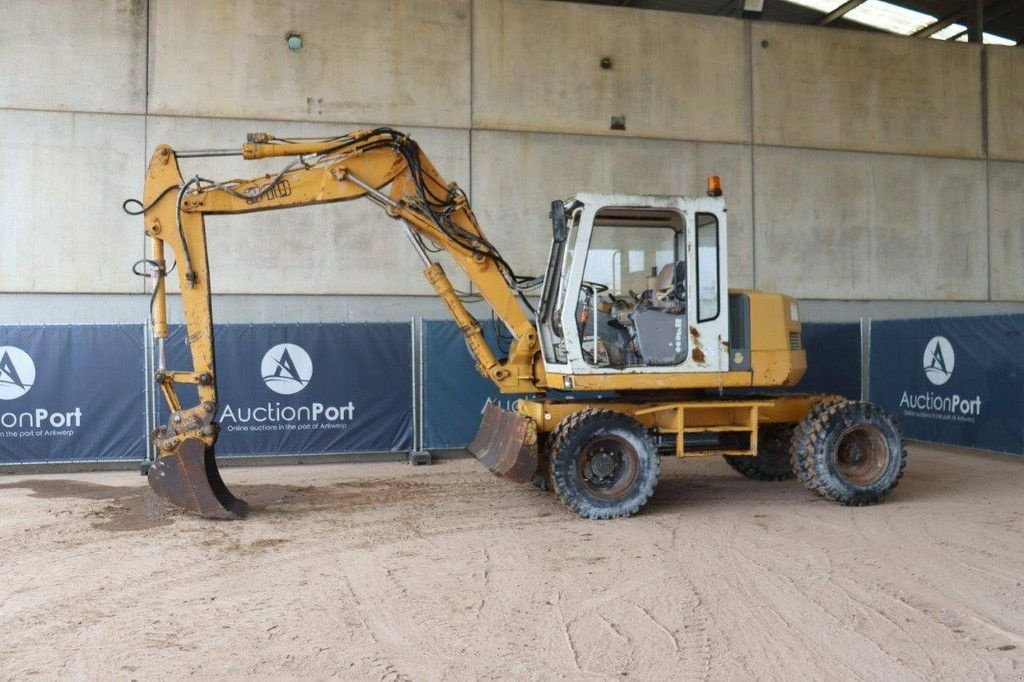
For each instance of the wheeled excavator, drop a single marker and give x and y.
(633, 307)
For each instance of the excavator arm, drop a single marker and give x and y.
(382, 165)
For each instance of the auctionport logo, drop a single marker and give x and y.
(17, 376)
(286, 368)
(939, 360)
(17, 372)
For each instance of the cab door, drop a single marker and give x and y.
(708, 285)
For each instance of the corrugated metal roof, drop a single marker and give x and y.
(1003, 18)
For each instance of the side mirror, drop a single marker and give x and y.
(560, 231)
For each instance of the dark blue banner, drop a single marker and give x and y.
(72, 393)
(957, 381)
(307, 388)
(833, 359)
(454, 393)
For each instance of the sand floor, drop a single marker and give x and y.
(386, 571)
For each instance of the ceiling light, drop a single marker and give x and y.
(823, 6)
(889, 17)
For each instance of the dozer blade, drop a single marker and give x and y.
(506, 444)
(189, 479)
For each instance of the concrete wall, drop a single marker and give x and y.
(862, 172)
(537, 66)
(884, 226)
(74, 55)
(64, 176)
(401, 61)
(862, 92)
(1006, 103)
(1006, 229)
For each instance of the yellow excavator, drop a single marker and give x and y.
(634, 307)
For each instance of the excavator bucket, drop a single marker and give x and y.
(506, 444)
(189, 479)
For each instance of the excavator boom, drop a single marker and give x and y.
(384, 166)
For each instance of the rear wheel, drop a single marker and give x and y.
(603, 464)
(772, 460)
(849, 451)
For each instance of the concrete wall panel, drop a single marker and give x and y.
(870, 226)
(517, 175)
(64, 177)
(1006, 222)
(1005, 103)
(87, 55)
(403, 62)
(537, 67)
(344, 248)
(854, 91)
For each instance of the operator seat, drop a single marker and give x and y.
(664, 287)
(658, 323)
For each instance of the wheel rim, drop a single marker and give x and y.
(608, 467)
(862, 455)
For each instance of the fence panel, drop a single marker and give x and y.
(72, 393)
(956, 381)
(308, 388)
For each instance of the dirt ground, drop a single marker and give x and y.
(385, 571)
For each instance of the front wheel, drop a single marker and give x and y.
(603, 464)
(849, 451)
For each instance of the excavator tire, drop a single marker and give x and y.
(603, 464)
(772, 462)
(851, 452)
(802, 432)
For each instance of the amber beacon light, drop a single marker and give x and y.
(714, 186)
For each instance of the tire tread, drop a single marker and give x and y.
(809, 459)
(557, 441)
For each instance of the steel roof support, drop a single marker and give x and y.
(995, 10)
(840, 11)
(975, 20)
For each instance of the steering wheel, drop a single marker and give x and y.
(595, 287)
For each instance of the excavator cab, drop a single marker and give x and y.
(635, 286)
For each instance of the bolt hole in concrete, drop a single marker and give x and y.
(294, 41)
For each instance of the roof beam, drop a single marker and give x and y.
(948, 20)
(727, 9)
(975, 21)
(994, 11)
(840, 11)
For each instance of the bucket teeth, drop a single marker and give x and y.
(506, 444)
(188, 478)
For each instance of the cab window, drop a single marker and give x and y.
(707, 267)
(631, 307)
